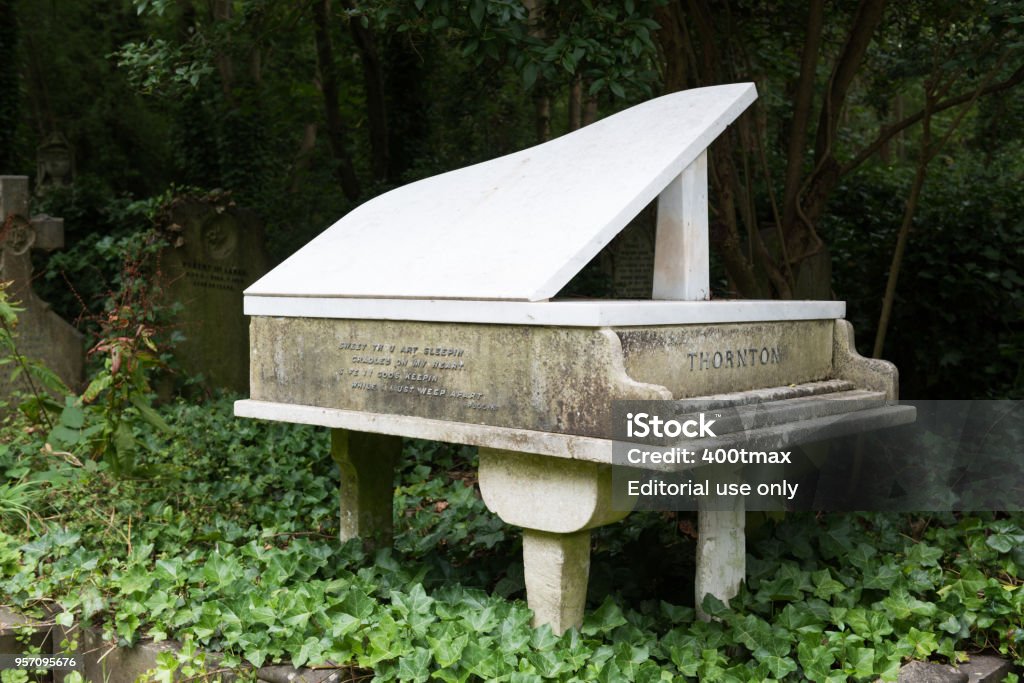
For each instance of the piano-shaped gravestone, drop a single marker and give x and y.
(432, 312)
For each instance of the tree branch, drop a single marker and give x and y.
(865, 21)
(800, 123)
(888, 132)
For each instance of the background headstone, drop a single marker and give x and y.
(55, 163)
(217, 251)
(42, 335)
(624, 269)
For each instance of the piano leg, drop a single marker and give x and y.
(556, 567)
(367, 464)
(556, 501)
(721, 549)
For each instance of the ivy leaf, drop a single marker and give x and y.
(825, 586)
(753, 632)
(796, 618)
(447, 650)
(713, 607)
(311, 650)
(815, 658)
(883, 577)
(342, 625)
(415, 666)
(604, 619)
(779, 667)
(862, 661)
(483, 661)
(137, 580)
(924, 555)
(923, 642)
(862, 555)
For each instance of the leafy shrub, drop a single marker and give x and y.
(957, 329)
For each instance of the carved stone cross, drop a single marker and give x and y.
(21, 233)
(42, 334)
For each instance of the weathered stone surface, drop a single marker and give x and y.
(549, 379)
(41, 334)
(721, 550)
(556, 501)
(866, 373)
(105, 662)
(367, 464)
(12, 625)
(986, 669)
(556, 495)
(624, 268)
(629, 258)
(289, 674)
(698, 360)
(218, 252)
(55, 163)
(556, 569)
(930, 672)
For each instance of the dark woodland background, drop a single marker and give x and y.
(886, 141)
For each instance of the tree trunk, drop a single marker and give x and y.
(225, 66)
(541, 100)
(373, 83)
(9, 78)
(337, 137)
(671, 43)
(576, 103)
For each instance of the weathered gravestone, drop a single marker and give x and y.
(42, 335)
(55, 163)
(217, 251)
(431, 312)
(624, 269)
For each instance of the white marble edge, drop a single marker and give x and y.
(616, 313)
(508, 438)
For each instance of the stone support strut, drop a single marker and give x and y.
(721, 550)
(367, 464)
(556, 502)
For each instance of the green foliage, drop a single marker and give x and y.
(17, 499)
(160, 66)
(34, 384)
(121, 389)
(103, 232)
(971, 209)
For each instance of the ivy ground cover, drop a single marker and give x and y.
(228, 544)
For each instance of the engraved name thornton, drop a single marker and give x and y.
(734, 358)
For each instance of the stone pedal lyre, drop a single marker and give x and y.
(432, 312)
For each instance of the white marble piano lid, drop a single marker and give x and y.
(513, 229)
